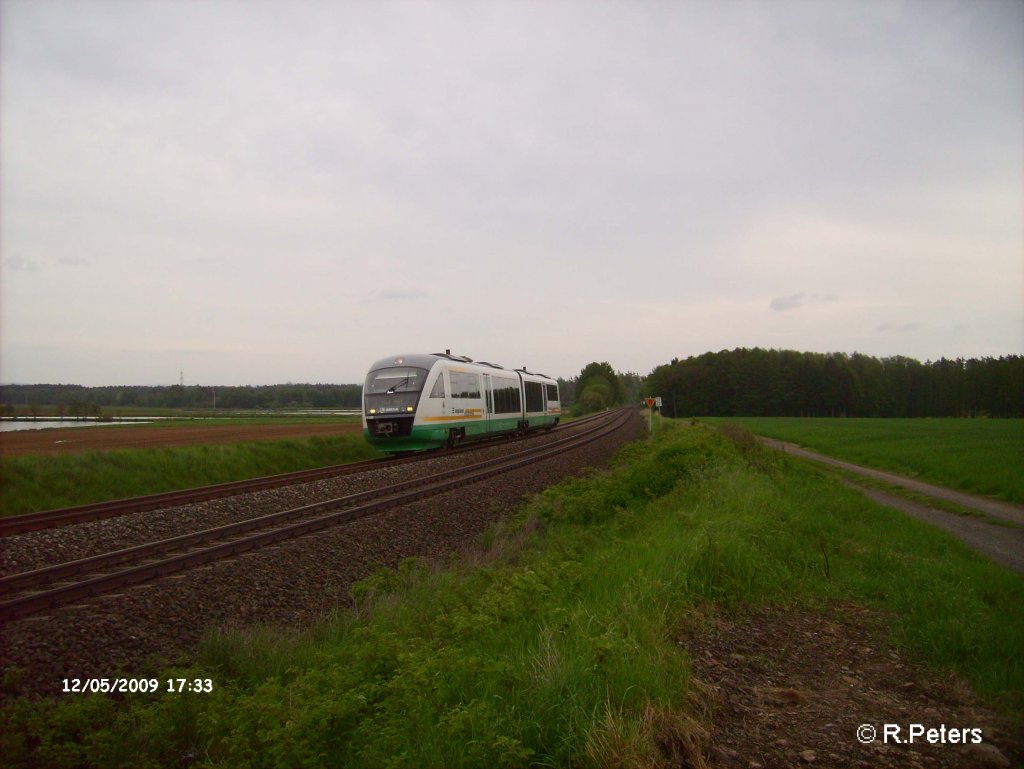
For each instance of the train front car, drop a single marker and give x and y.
(393, 395)
(417, 402)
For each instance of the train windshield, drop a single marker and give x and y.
(400, 379)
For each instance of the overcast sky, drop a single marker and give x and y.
(262, 192)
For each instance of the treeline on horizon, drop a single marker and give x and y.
(739, 382)
(183, 397)
(758, 382)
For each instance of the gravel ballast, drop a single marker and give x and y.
(288, 585)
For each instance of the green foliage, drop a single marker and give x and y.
(598, 387)
(644, 473)
(33, 483)
(759, 382)
(595, 397)
(561, 648)
(57, 734)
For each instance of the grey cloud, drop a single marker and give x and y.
(898, 328)
(204, 261)
(73, 261)
(20, 263)
(782, 303)
(400, 295)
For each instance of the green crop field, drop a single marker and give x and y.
(984, 456)
(557, 643)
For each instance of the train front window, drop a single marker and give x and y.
(390, 381)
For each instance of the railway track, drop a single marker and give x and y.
(66, 516)
(46, 588)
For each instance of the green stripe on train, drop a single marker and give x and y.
(433, 436)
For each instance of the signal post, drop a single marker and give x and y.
(652, 402)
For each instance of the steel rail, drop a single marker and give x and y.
(364, 505)
(66, 516)
(50, 519)
(13, 582)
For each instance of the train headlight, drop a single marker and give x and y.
(410, 409)
(373, 411)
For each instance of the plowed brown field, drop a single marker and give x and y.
(72, 439)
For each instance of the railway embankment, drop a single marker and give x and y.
(701, 603)
(128, 468)
(292, 582)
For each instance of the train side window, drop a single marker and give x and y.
(465, 385)
(552, 392)
(438, 391)
(506, 396)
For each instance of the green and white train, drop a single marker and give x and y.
(416, 402)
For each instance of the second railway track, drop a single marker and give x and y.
(66, 516)
(41, 589)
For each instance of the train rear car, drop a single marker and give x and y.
(543, 408)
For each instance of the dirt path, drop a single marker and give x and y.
(72, 439)
(1002, 542)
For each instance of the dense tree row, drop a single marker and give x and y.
(758, 382)
(728, 383)
(192, 397)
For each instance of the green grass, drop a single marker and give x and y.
(984, 456)
(558, 643)
(33, 483)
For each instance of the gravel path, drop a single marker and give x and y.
(1001, 540)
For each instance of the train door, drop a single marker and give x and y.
(488, 402)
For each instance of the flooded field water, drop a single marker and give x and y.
(9, 425)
